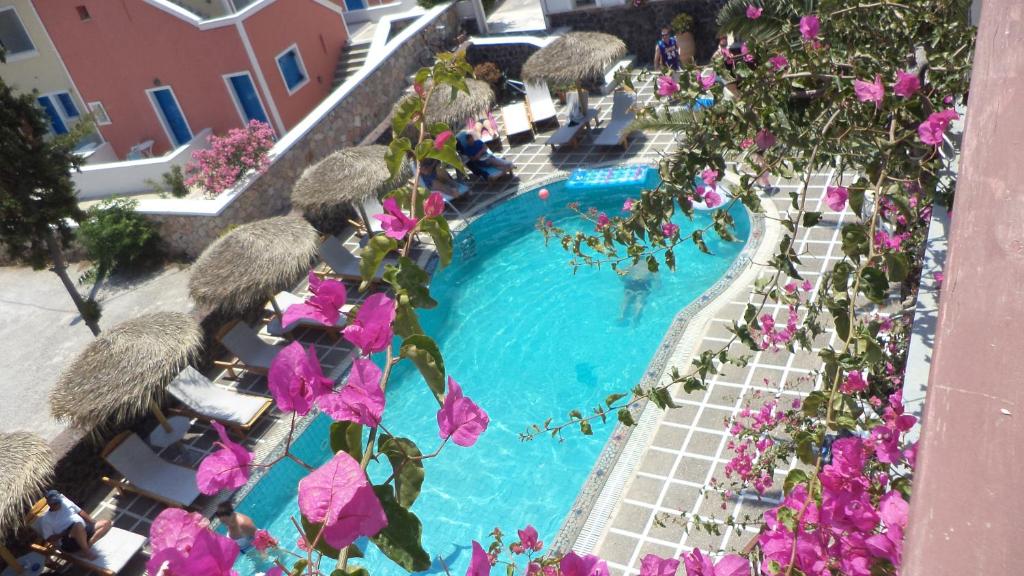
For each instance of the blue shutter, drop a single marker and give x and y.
(70, 110)
(246, 94)
(56, 123)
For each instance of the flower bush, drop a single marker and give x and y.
(241, 151)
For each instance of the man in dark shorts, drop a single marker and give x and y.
(72, 529)
(666, 53)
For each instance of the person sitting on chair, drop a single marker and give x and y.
(434, 177)
(72, 529)
(479, 159)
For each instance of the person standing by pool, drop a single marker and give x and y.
(666, 53)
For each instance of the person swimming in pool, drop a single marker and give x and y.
(637, 283)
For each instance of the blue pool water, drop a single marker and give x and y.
(528, 339)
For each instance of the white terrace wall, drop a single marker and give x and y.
(343, 119)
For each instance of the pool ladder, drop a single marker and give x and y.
(467, 246)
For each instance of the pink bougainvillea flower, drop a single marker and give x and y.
(480, 562)
(420, 90)
(853, 383)
(712, 199)
(754, 12)
(764, 139)
(746, 143)
(361, 400)
(528, 539)
(939, 277)
(835, 197)
(930, 131)
(870, 91)
(906, 84)
(394, 221)
(699, 565)
(176, 528)
(339, 495)
(709, 176)
(653, 565)
(262, 540)
(460, 418)
(434, 205)
(667, 86)
(296, 380)
(668, 229)
(323, 307)
(778, 62)
(627, 206)
(225, 468)
(441, 138)
(371, 329)
(602, 220)
(208, 554)
(573, 565)
(947, 100)
(810, 26)
(705, 78)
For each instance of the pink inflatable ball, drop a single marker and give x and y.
(544, 194)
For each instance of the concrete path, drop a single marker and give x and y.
(41, 332)
(516, 16)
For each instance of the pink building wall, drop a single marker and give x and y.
(129, 46)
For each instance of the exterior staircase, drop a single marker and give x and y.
(352, 59)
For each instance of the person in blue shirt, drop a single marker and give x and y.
(479, 159)
(666, 54)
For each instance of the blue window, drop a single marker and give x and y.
(292, 70)
(245, 95)
(171, 115)
(68, 105)
(56, 122)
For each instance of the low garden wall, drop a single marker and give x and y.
(639, 26)
(343, 119)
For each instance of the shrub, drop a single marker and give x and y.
(683, 22)
(230, 157)
(487, 72)
(172, 182)
(115, 236)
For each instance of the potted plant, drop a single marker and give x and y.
(682, 25)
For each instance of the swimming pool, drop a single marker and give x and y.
(527, 338)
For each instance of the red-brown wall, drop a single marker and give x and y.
(320, 36)
(129, 46)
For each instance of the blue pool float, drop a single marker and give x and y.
(584, 178)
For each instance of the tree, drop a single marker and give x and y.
(37, 198)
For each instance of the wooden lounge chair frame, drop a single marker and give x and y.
(124, 486)
(235, 364)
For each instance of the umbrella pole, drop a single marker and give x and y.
(160, 416)
(10, 560)
(366, 219)
(275, 306)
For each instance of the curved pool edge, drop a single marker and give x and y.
(587, 521)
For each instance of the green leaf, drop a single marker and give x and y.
(612, 399)
(897, 267)
(408, 473)
(401, 539)
(855, 241)
(397, 152)
(795, 476)
(406, 324)
(408, 278)
(447, 154)
(662, 398)
(347, 437)
(299, 568)
(856, 199)
(351, 571)
(310, 530)
(626, 417)
(441, 234)
(874, 285)
(373, 254)
(425, 354)
(408, 109)
(811, 219)
(585, 428)
(805, 450)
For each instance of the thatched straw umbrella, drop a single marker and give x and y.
(251, 263)
(574, 58)
(124, 372)
(453, 110)
(26, 467)
(346, 178)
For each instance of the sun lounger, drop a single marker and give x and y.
(148, 474)
(113, 551)
(616, 133)
(542, 108)
(284, 300)
(343, 263)
(204, 399)
(569, 134)
(251, 353)
(517, 120)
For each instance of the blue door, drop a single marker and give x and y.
(355, 4)
(172, 116)
(245, 93)
(56, 122)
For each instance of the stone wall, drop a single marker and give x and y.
(639, 27)
(346, 124)
(508, 57)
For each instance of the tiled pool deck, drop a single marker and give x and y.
(686, 445)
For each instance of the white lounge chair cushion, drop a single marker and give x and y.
(134, 460)
(243, 342)
(517, 121)
(622, 117)
(114, 550)
(538, 97)
(203, 397)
